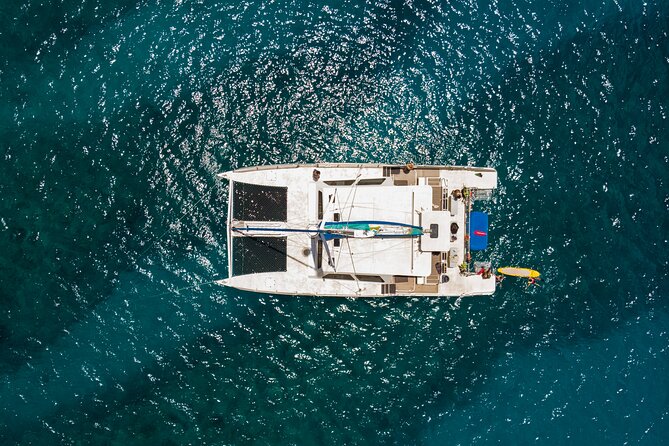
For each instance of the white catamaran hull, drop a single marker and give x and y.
(364, 230)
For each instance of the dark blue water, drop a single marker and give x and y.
(115, 116)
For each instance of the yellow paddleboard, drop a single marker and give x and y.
(518, 272)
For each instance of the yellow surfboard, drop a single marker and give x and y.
(518, 272)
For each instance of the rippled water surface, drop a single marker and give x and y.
(115, 117)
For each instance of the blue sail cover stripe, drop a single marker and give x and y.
(330, 236)
(336, 225)
(339, 225)
(478, 231)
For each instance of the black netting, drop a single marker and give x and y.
(252, 202)
(258, 255)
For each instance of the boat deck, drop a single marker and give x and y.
(427, 265)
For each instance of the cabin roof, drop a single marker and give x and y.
(378, 256)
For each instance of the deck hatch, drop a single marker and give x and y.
(478, 231)
(254, 202)
(258, 255)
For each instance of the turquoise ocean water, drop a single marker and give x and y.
(116, 115)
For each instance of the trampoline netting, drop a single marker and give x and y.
(258, 255)
(253, 202)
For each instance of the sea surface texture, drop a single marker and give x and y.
(115, 116)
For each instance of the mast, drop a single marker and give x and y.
(351, 229)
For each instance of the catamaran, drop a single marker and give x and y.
(358, 230)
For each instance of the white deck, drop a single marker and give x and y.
(388, 256)
(382, 258)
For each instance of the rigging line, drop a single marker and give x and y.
(354, 191)
(246, 229)
(398, 211)
(295, 220)
(340, 250)
(303, 221)
(388, 248)
(306, 240)
(298, 241)
(287, 221)
(336, 195)
(300, 245)
(258, 240)
(325, 245)
(331, 200)
(290, 241)
(355, 274)
(348, 243)
(344, 284)
(351, 189)
(348, 287)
